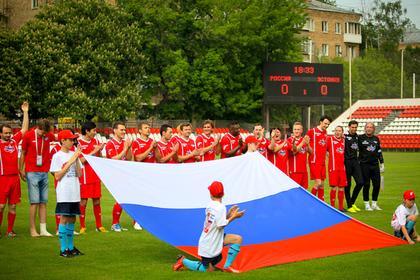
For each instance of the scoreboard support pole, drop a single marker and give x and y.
(266, 117)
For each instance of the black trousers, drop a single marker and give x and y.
(353, 170)
(371, 173)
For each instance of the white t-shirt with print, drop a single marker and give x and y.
(211, 240)
(400, 216)
(68, 188)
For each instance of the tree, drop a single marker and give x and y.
(79, 59)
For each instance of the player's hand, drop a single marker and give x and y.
(382, 168)
(306, 139)
(197, 152)
(154, 144)
(216, 139)
(25, 106)
(176, 147)
(127, 144)
(240, 141)
(22, 175)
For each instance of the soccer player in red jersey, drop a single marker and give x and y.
(263, 143)
(232, 144)
(279, 154)
(318, 142)
(143, 148)
(187, 152)
(166, 151)
(37, 159)
(90, 184)
(9, 172)
(206, 142)
(299, 147)
(336, 169)
(119, 149)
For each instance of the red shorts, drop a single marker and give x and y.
(317, 171)
(337, 178)
(300, 178)
(10, 189)
(92, 190)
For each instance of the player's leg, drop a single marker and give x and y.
(43, 200)
(2, 207)
(190, 264)
(366, 186)
(347, 190)
(234, 241)
(11, 216)
(341, 198)
(411, 224)
(83, 203)
(33, 193)
(116, 214)
(62, 235)
(70, 231)
(97, 212)
(358, 178)
(333, 194)
(376, 184)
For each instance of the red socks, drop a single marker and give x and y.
(97, 212)
(82, 216)
(341, 199)
(1, 217)
(321, 194)
(10, 221)
(333, 193)
(314, 191)
(116, 214)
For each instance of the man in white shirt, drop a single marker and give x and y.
(213, 238)
(404, 219)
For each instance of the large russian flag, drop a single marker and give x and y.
(283, 222)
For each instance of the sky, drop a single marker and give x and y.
(412, 6)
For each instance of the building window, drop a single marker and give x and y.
(352, 28)
(307, 46)
(35, 4)
(338, 51)
(337, 28)
(324, 50)
(309, 25)
(325, 26)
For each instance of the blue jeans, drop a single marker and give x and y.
(37, 187)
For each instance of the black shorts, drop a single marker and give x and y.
(68, 208)
(214, 261)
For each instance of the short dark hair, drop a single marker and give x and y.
(116, 124)
(181, 127)
(87, 126)
(233, 123)
(4, 125)
(274, 128)
(210, 122)
(164, 128)
(44, 125)
(325, 117)
(353, 122)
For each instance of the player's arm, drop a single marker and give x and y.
(25, 122)
(194, 153)
(60, 174)
(21, 165)
(234, 150)
(406, 235)
(97, 149)
(125, 152)
(142, 156)
(232, 215)
(306, 140)
(380, 155)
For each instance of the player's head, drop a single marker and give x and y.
(252, 143)
(277, 133)
(216, 189)
(186, 129)
(409, 198)
(166, 132)
(258, 130)
(324, 122)
(234, 128)
(89, 129)
(119, 129)
(208, 126)
(44, 126)
(370, 128)
(353, 124)
(338, 131)
(297, 129)
(144, 128)
(66, 138)
(6, 132)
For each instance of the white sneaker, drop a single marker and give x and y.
(368, 208)
(136, 226)
(45, 233)
(376, 207)
(75, 233)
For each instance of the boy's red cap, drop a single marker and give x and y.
(216, 189)
(251, 139)
(66, 134)
(409, 195)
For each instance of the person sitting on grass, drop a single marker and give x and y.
(404, 219)
(66, 167)
(212, 238)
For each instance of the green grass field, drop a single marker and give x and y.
(135, 254)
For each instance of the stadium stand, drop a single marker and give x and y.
(397, 121)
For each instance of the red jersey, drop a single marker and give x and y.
(165, 149)
(335, 149)
(140, 146)
(186, 147)
(263, 144)
(88, 175)
(34, 145)
(279, 159)
(203, 141)
(9, 155)
(297, 163)
(230, 142)
(55, 149)
(113, 148)
(318, 142)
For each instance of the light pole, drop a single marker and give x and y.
(350, 97)
(402, 72)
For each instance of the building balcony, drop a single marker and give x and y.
(352, 38)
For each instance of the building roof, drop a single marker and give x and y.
(320, 6)
(411, 36)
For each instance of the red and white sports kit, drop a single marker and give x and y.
(140, 146)
(113, 148)
(165, 149)
(90, 184)
(204, 141)
(229, 143)
(318, 142)
(280, 158)
(186, 147)
(41, 147)
(298, 162)
(336, 169)
(263, 144)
